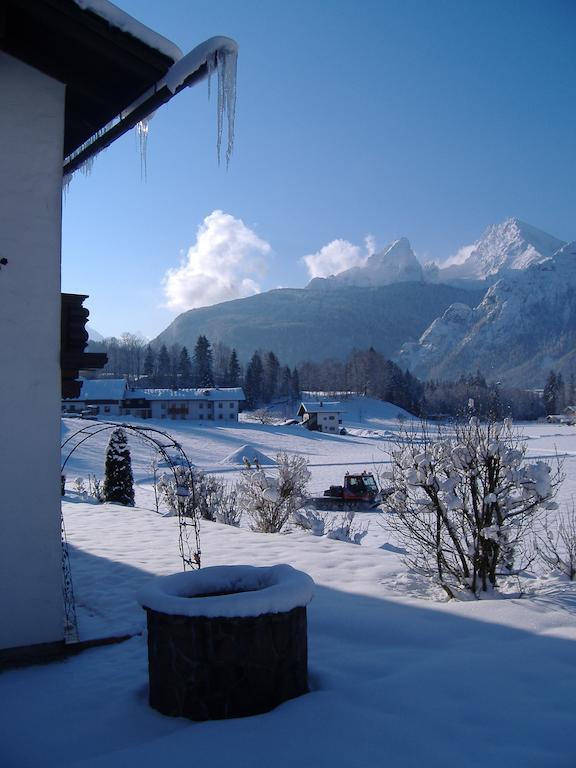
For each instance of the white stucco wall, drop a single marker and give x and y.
(31, 135)
(328, 422)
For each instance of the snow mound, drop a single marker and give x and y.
(249, 452)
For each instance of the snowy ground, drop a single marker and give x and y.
(397, 678)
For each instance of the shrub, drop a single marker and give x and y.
(464, 500)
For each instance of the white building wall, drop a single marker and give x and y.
(328, 422)
(31, 136)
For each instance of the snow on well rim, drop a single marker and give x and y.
(254, 591)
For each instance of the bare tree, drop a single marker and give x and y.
(556, 543)
(464, 500)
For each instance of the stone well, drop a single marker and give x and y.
(227, 641)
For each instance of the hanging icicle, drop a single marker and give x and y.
(142, 129)
(219, 54)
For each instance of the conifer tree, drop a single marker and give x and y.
(253, 381)
(185, 368)
(163, 367)
(233, 375)
(270, 377)
(149, 362)
(118, 480)
(203, 374)
(550, 393)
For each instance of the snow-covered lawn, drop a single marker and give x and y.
(397, 678)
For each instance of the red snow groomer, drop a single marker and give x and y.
(359, 492)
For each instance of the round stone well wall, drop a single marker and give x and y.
(227, 641)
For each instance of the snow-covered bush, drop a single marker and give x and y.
(347, 529)
(228, 511)
(556, 543)
(95, 488)
(269, 500)
(178, 492)
(118, 480)
(79, 486)
(195, 492)
(343, 528)
(310, 520)
(464, 500)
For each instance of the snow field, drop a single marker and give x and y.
(397, 678)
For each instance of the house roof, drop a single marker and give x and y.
(114, 68)
(102, 389)
(320, 407)
(214, 394)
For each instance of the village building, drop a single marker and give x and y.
(212, 404)
(321, 416)
(74, 76)
(114, 397)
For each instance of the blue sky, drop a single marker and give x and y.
(355, 119)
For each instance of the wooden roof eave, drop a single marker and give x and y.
(157, 96)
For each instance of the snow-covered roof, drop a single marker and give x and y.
(321, 407)
(213, 393)
(117, 71)
(122, 20)
(102, 389)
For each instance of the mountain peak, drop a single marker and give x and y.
(396, 263)
(513, 244)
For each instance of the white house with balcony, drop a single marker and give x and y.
(212, 404)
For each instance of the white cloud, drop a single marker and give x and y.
(458, 258)
(334, 257)
(221, 265)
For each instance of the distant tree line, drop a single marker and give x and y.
(472, 394)
(266, 380)
(367, 372)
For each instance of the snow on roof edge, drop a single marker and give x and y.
(123, 21)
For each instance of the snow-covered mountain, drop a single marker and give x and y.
(510, 245)
(395, 264)
(525, 325)
(509, 309)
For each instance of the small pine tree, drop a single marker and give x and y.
(118, 480)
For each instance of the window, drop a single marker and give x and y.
(220, 405)
(331, 418)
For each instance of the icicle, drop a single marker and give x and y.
(226, 64)
(142, 129)
(219, 54)
(66, 181)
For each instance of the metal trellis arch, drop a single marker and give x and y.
(176, 459)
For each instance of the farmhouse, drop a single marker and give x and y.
(74, 76)
(212, 404)
(321, 416)
(113, 397)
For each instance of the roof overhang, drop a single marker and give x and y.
(104, 67)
